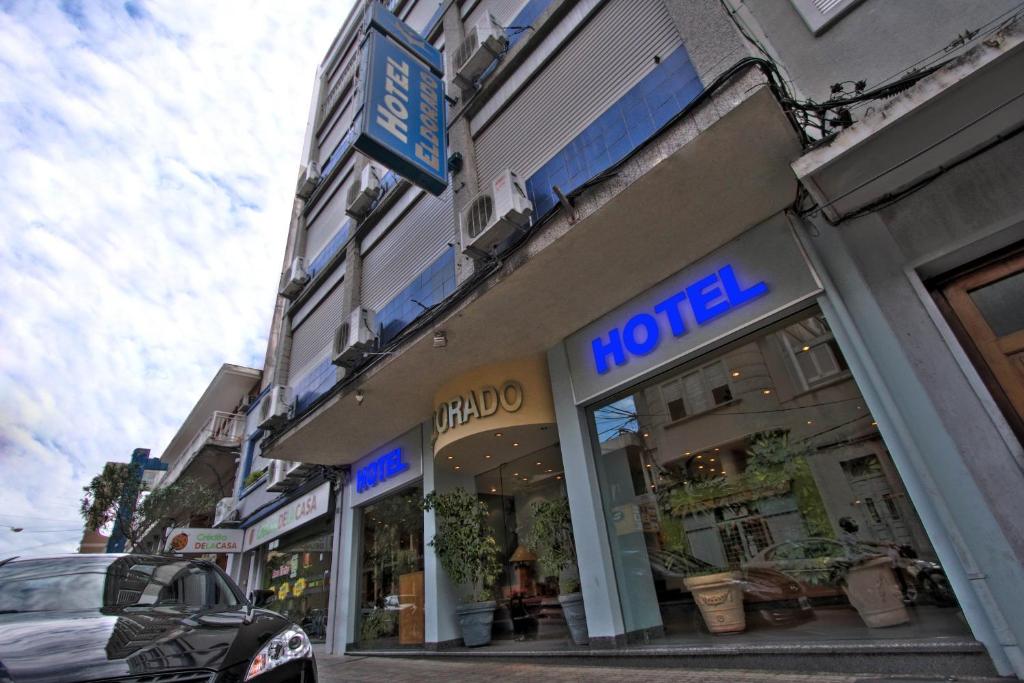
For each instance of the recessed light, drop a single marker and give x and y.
(648, 465)
(712, 459)
(874, 424)
(810, 422)
(550, 470)
(451, 457)
(494, 490)
(806, 348)
(652, 486)
(717, 449)
(687, 453)
(515, 474)
(488, 456)
(699, 456)
(766, 392)
(735, 373)
(497, 434)
(646, 435)
(458, 467)
(559, 476)
(700, 467)
(538, 464)
(515, 443)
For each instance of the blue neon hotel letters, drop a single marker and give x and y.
(383, 468)
(706, 299)
(402, 124)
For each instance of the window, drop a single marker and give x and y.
(814, 351)
(696, 392)
(820, 14)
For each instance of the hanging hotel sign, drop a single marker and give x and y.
(750, 279)
(390, 467)
(379, 18)
(193, 541)
(402, 124)
(294, 514)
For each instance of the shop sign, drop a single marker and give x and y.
(293, 515)
(191, 540)
(478, 404)
(389, 467)
(383, 468)
(757, 275)
(402, 124)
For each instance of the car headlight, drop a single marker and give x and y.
(287, 646)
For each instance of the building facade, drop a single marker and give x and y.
(739, 281)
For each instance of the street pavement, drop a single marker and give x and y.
(333, 669)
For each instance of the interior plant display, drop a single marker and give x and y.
(550, 537)
(376, 623)
(718, 593)
(468, 552)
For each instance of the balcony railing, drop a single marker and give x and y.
(225, 430)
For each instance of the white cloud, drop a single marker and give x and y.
(148, 152)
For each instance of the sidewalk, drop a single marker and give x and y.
(333, 669)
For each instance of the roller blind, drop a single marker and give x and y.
(312, 338)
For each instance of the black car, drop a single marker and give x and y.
(140, 618)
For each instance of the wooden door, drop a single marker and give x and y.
(988, 304)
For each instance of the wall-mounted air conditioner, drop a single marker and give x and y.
(277, 480)
(482, 45)
(294, 279)
(364, 192)
(227, 512)
(354, 338)
(309, 176)
(275, 407)
(495, 215)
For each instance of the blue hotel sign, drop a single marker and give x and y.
(753, 279)
(379, 18)
(402, 125)
(380, 470)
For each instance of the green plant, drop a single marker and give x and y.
(463, 543)
(551, 539)
(254, 477)
(376, 623)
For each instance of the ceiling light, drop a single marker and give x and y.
(874, 424)
(494, 490)
(515, 444)
(700, 467)
(810, 422)
(805, 349)
(497, 434)
(515, 474)
(451, 457)
(699, 456)
(440, 339)
(712, 459)
(735, 373)
(458, 467)
(717, 449)
(766, 392)
(559, 476)
(550, 470)
(648, 465)
(687, 453)
(538, 464)
(488, 456)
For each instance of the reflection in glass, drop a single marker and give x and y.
(751, 492)
(391, 597)
(299, 573)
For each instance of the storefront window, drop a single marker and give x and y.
(299, 573)
(528, 607)
(751, 492)
(391, 596)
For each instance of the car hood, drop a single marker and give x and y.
(48, 647)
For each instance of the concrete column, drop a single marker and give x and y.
(593, 552)
(465, 184)
(348, 540)
(441, 596)
(337, 633)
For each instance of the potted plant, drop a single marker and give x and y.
(871, 586)
(551, 539)
(719, 595)
(469, 553)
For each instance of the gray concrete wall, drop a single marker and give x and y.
(875, 40)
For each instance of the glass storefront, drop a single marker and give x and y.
(391, 579)
(528, 607)
(298, 570)
(751, 492)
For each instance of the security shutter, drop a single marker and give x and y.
(604, 60)
(820, 14)
(402, 254)
(504, 11)
(329, 216)
(340, 122)
(315, 334)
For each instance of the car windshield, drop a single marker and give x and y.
(63, 584)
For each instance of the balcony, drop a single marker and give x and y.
(226, 512)
(222, 432)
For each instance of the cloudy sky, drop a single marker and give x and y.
(148, 155)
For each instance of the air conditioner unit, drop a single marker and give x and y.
(227, 513)
(364, 192)
(275, 407)
(309, 176)
(354, 338)
(294, 279)
(277, 481)
(495, 215)
(482, 45)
